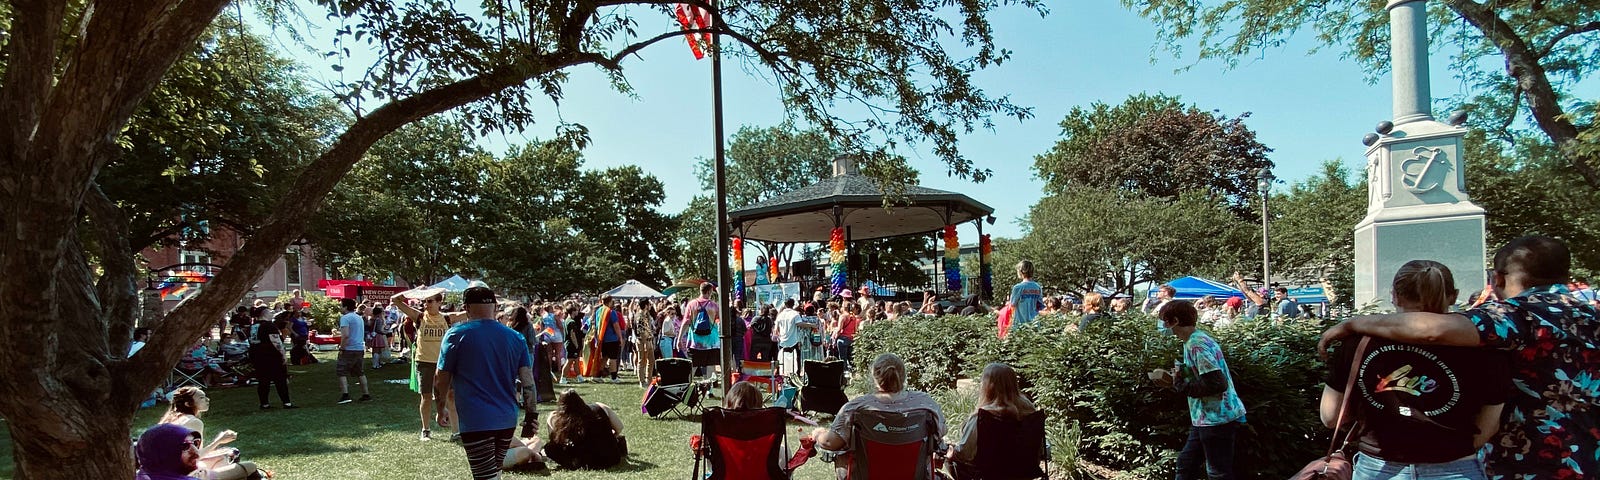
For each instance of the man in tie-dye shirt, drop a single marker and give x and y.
(1215, 411)
(1551, 425)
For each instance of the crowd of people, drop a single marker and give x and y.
(1502, 387)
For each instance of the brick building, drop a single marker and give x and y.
(296, 269)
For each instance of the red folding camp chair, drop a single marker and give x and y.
(893, 445)
(742, 444)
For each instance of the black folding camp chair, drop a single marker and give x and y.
(824, 388)
(1008, 449)
(672, 386)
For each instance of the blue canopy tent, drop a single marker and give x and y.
(453, 284)
(1192, 288)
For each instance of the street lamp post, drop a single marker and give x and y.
(1264, 180)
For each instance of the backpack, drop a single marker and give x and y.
(761, 343)
(702, 321)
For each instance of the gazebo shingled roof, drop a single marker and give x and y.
(807, 214)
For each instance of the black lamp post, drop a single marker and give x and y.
(1264, 180)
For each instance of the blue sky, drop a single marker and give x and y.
(1306, 107)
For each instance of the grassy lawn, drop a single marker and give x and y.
(378, 440)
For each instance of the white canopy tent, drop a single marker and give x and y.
(633, 289)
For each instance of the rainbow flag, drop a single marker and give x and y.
(179, 284)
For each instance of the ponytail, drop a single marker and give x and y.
(1426, 284)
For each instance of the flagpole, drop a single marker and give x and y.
(724, 273)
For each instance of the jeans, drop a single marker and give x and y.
(1211, 448)
(843, 346)
(1374, 468)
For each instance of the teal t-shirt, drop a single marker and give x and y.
(1026, 298)
(1202, 355)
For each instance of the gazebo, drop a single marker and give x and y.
(849, 207)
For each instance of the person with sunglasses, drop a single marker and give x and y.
(430, 324)
(168, 452)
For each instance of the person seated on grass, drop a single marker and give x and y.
(216, 462)
(524, 454)
(167, 452)
(583, 435)
(889, 379)
(743, 396)
(999, 395)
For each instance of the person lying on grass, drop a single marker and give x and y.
(584, 435)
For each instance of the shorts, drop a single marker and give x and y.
(425, 371)
(486, 451)
(350, 363)
(573, 352)
(611, 350)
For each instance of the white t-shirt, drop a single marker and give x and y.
(784, 327)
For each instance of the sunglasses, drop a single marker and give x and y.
(195, 442)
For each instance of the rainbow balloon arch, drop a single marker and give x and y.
(849, 207)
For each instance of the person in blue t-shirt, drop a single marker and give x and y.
(481, 360)
(1026, 297)
(352, 351)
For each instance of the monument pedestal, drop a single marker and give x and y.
(1417, 209)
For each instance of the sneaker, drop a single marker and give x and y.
(366, 397)
(455, 437)
(580, 379)
(426, 435)
(343, 399)
(266, 407)
(289, 406)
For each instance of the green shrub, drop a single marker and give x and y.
(324, 311)
(935, 348)
(1092, 384)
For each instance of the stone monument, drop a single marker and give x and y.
(1417, 205)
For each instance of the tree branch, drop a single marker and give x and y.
(1568, 32)
(31, 57)
(118, 286)
(1522, 64)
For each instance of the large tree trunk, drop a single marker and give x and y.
(70, 393)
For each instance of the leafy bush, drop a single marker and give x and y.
(324, 311)
(935, 348)
(1092, 384)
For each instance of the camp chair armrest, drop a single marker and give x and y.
(828, 455)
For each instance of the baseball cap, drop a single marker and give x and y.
(479, 295)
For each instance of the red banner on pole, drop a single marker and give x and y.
(695, 18)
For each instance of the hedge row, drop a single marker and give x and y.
(1092, 384)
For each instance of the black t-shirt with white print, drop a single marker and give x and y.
(1419, 404)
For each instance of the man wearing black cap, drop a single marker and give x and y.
(481, 360)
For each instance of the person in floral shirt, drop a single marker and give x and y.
(1551, 425)
(1215, 411)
